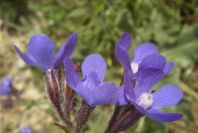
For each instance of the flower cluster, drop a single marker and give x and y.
(141, 74)
(133, 99)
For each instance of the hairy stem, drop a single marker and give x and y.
(123, 118)
(82, 116)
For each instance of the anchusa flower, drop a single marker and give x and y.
(140, 75)
(135, 94)
(92, 88)
(148, 67)
(146, 55)
(41, 52)
(149, 103)
(41, 55)
(6, 86)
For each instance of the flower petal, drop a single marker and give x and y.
(66, 50)
(153, 61)
(166, 96)
(162, 116)
(129, 86)
(41, 50)
(126, 91)
(7, 80)
(144, 50)
(86, 89)
(26, 59)
(158, 115)
(125, 41)
(121, 50)
(105, 93)
(169, 66)
(94, 63)
(94, 77)
(146, 79)
(122, 56)
(72, 76)
(122, 98)
(4, 90)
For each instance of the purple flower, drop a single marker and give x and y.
(92, 88)
(150, 103)
(41, 51)
(26, 130)
(145, 56)
(140, 75)
(6, 86)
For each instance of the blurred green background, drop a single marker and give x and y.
(171, 24)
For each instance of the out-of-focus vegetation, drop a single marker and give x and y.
(171, 25)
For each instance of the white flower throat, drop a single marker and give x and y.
(134, 67)
(145, 100)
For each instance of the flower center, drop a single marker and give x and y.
(134, 67)
(145, 100)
